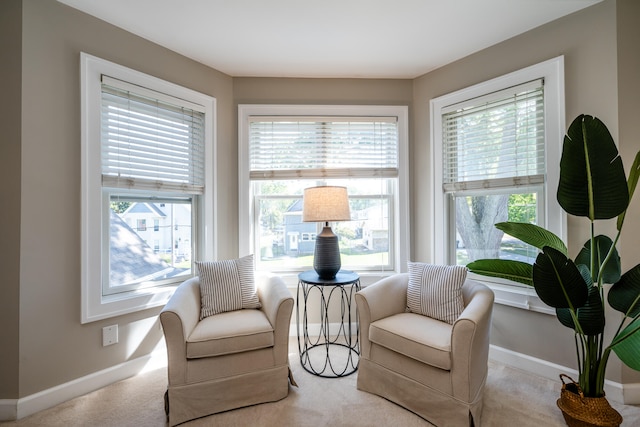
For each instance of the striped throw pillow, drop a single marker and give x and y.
(436, 290)
(226, 286)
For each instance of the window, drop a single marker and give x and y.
(147, 154)
(285, 149)
(496, 153)
(309, 236)
(493, 170)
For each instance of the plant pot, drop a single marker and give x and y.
(581, 411)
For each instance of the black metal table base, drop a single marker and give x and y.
(330, 353)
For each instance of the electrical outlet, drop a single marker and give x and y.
(109, 335)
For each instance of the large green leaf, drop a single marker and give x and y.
(558, 281)
(533, 235)
(627, 345)
(591, 315)
(592, 179)
(603, 245)
(624, 295)
(517, 271)
(634, 174)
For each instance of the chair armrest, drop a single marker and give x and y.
(277, 304)
(179, 317)
(470, 341)
(379, 300)
(384, 298)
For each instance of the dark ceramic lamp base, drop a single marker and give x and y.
(326, 261)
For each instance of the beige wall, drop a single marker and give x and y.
(322, 91)
(10, 117)
(629, 128)
(45, 345)
(588, 41)
(54, 347)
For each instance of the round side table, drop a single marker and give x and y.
(335, 350)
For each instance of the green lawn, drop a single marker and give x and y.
(369, 259)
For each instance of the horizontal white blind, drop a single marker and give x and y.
(320, 147)
(495, 141)
(149, 142)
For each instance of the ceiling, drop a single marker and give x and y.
(328, 38)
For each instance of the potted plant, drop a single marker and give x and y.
(593, 185)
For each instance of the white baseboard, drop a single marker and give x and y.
(628, 394)
(631, 394)
(15, 409)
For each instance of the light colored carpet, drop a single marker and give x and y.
(512, 398)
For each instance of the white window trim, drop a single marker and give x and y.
(95, 306)
(401, 233)
(552, 71)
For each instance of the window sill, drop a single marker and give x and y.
(505, 293)
(515, 296)
(97, 307)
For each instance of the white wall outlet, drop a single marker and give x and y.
(109, 335)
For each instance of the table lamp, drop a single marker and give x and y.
(324, 204)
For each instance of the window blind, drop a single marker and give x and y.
(150, 140)
(322, 147)
(495, 141)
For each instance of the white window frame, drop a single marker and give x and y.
(552, 71)
(401, 235)
(95, 305)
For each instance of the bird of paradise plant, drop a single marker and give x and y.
(593, 184)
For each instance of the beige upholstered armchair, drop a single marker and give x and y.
(227, 360)
(435, 369)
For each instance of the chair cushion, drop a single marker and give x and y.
(230, 332)
(436, 290)
(226, 286)
(420, 337)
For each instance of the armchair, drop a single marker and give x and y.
(227, 360)
(432, 368)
